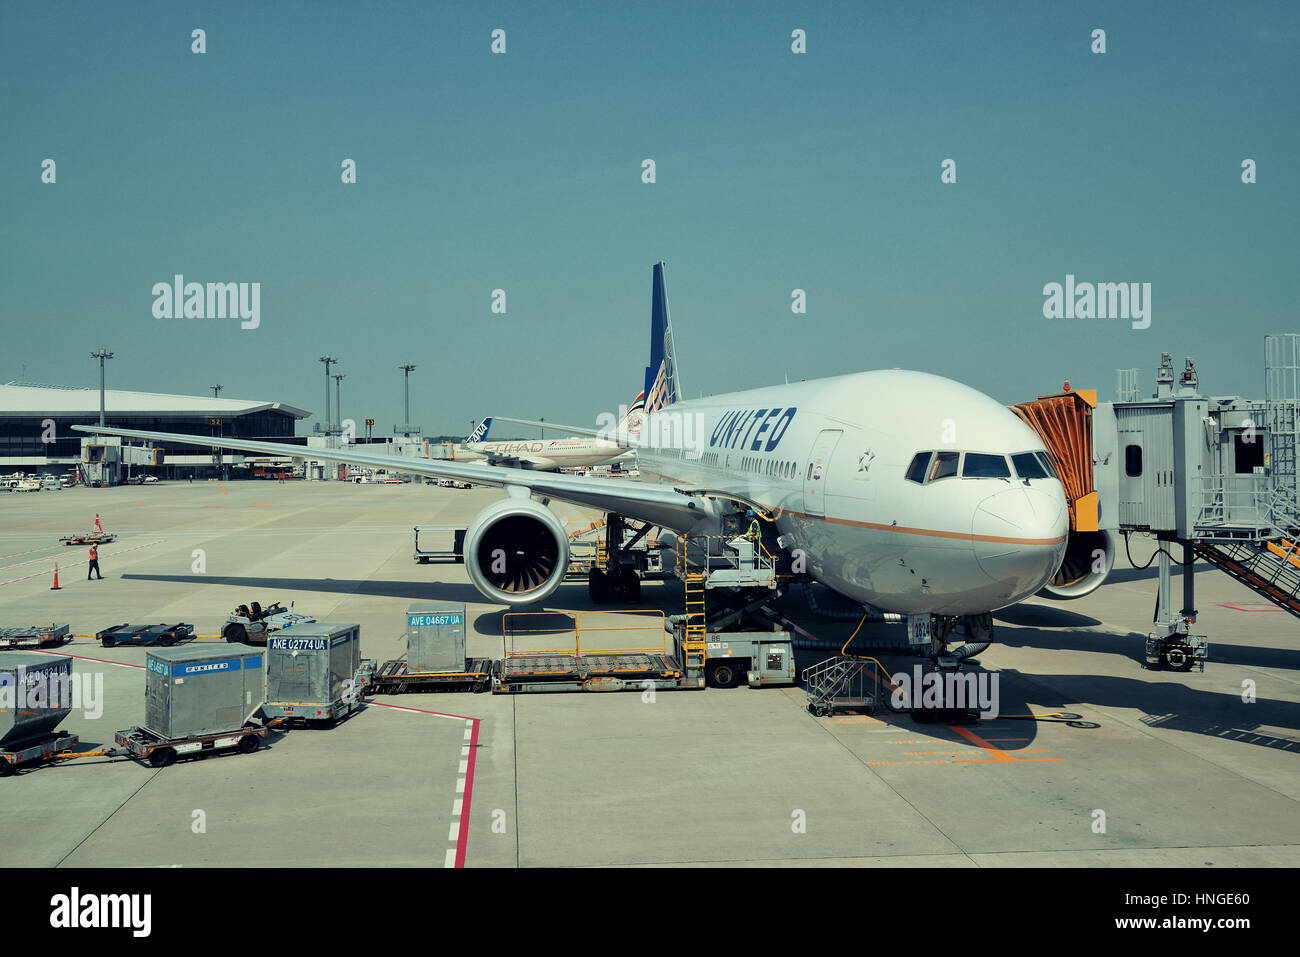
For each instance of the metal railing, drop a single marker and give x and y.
(1219, 506)
(513, 626)
(697, 554)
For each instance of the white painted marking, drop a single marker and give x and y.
(455, 808)
(451, 858)
(460, 785)
(464, 767)
(454, 833)
(465, 751)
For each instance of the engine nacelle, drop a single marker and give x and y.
(1089, 557)
(516, 551)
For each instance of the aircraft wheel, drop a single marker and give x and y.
(632, 588)
(1176, 657)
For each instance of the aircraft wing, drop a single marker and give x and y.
(656, 504)
(556, 427)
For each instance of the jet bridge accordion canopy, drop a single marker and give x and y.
(1064, 423)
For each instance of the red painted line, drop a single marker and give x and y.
(1243, 608)
(30, 561)
(462, 839)
(124, 664)
(77, 564)
(28, 552)
(440, 714)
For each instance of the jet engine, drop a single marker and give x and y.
(1089, 557)
(516, 551)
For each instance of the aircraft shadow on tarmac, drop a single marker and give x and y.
(428, 590)
(1167, 705)
(1132, 645)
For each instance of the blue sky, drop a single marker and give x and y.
(522, 171)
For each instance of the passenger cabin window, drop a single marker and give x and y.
(1133, 461)
(945, 465)
(916, 471)
(1028, 466)
(984, 465)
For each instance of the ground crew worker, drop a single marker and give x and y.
(98, 528)
(94, 562)
(755, 533)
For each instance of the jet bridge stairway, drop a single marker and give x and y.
(1270, 569)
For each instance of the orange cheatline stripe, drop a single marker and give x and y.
(931, 532)
(934, 533)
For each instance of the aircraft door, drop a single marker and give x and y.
(816, 469)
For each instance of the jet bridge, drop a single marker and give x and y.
(1215, 475)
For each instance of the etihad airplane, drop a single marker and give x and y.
(904, 491)
(553, 454)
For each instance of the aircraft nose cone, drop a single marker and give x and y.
(1020, 536)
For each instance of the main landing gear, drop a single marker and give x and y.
(620, 583)
(942, 695)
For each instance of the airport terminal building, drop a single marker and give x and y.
(36, 434)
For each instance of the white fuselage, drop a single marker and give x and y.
(829, 459)
(543, 453)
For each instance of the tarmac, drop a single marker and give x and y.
(1183, 769)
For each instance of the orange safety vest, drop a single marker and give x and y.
(94, 553)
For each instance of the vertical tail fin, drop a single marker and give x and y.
(480, 433)
(662, 385)
(629, 427)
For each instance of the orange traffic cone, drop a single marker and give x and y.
(55, 586)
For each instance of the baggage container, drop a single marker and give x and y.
(435, 636)
(201, 690)
(36, 695)
(311, 672)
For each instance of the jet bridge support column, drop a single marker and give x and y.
(1170, 643)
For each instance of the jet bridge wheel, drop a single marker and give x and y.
(1176, 656)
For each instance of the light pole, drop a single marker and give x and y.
(327, 359)
(542, 419)
(338, 389)
(406, 368)
(216, 391)
(101, 355)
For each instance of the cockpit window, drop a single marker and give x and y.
(945, 465)
(1028, 466)
(1047, 464)
(916, 471)
(984, 465)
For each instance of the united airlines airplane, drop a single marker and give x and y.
(904, 491)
